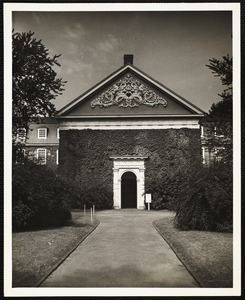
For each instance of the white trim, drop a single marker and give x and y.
(132, 164)
(58, 133)
(129, 116)
(41, 144)
(202, 131)
(57, 156)
(128, 157)
(203, 155)
(130, 124)
(121, 70)
(107, 7)
(45, 155)
(127, 127)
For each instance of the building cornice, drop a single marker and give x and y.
(41, 145)
(128, 157)
(130, 116)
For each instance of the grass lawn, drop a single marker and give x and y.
(207, 255)
(37, 253)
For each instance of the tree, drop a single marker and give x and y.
(208, 202)
(223, 69)
(34, 81)
(219, 120)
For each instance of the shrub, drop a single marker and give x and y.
(162, 190)
(202, 197)
(55, 217)
(194, 213)
(208, 204)
(167, 190)
(100, 197)
(40, 197)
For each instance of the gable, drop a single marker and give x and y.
(129, 92)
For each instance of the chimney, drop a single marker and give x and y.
(128, 59)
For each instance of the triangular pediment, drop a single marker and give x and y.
(129, 92)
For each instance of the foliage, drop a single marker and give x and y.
(223, 69)
(34, 80)
(218, 122)
(167, 191)
(208, 203)
(40, 197)
(100, 197)
(218, 138)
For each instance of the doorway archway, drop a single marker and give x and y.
(122, 165)
(129, 190)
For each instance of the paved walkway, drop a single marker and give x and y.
(125, 250)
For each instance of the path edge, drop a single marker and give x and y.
(185, 265)
(66, 255)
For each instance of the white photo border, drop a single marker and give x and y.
(8, 9)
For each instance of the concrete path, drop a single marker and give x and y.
(125, 250)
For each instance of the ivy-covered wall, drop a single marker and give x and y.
(85, 154)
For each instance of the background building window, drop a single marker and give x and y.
(21, 133)
(42, 133)
(218, 153)
(20, 156)
(41, 156)
(218, 131)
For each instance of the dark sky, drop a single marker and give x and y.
(172, 47)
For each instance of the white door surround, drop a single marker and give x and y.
(121, 165)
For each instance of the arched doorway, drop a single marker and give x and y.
(129, 190)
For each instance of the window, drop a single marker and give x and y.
(41, 156)
(218, 153)
(57, 156)
(218, 131)
(58, 133)
(20, 156)
(42, 133)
